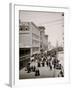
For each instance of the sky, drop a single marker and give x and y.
(52, 21)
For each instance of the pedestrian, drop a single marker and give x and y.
(38, 72)
(62, 75)
(34, 69)
(44, 59)
(42, 63)
(54, 63)
(47, 63)
(38, 64)
(28, 69)
(50, 67)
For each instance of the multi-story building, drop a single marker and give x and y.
(42, 33)
(43, 39)
(29, 39)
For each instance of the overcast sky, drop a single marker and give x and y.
(52, 21)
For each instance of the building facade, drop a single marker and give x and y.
(29, 38)
(29, 42)
(42, 33)
(43, 39)
(46, 43)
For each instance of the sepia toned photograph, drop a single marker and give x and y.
(41, 44)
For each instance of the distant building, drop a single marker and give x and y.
(46, 42)
(42, 33)
(43, 39)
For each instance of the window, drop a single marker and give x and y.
(24, 28)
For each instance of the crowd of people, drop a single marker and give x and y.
(42, 60)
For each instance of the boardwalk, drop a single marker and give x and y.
(45, 72)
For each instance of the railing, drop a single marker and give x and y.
(22, 58)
